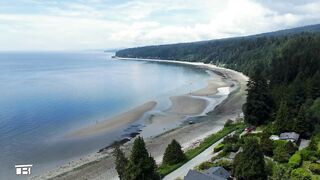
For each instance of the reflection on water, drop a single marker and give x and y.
(46, 95)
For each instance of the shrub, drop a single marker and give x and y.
(295, 160)
(269, 166)
(224, 163)
(219, 147)
(267, 146)
(280, 171)
(300, 174)
(228, 123)
(283, 150)
(315, 168)
(205, 165)
(308, 154)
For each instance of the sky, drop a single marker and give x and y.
(105, 24)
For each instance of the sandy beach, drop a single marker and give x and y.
(100, 165)
(115, 122)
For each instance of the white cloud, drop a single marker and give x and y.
(87, 25)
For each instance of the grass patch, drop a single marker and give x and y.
(206, 143)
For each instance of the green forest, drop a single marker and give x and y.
(283, 92)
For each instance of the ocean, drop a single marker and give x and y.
(46, 95)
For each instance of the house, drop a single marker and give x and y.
(274, 137)
(289, 136)
(214, 173)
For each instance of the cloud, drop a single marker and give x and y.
(79, 24)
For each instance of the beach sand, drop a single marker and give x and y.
(115, 122)
(101, 165)
(187, 105)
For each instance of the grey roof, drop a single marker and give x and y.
(289, 135)
(214, 173)
(218, 171)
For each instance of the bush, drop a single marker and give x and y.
(224, 163)
(300, 174)
(228, 123)
(269, 166)
(295, 160)
(283, 150)
(308, 154)
(315, 168)
(266, 146)
(205, 165)
(218, 148)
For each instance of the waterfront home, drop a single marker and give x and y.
(290, 136)
(214, 173)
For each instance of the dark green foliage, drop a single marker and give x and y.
(231, 143)
(300, 174)
(266, 145)
(295, 160)
(141, 165)
(269, 166)
(120, 161)
(205, 165)
(302, 124)
(249, 164)
(315, 168)
(228, 123)
(282, 121)
(259, 105)
(173, 154)
(283, 151)
(281, 172)
(224, 163)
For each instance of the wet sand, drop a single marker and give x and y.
(100, 165)
(115, 122)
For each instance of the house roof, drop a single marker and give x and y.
(289, 135)
(214, 173)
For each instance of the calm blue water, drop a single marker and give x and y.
(43, 96)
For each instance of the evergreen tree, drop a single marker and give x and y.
(302, 124)
(249, 164)
(120, 161)
(141, 165)
(282, 122)
(316, 85)
(173, 154)
(259, 105)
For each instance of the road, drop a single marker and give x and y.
(206, 155)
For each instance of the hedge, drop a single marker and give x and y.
(218, 148)
(300, 174)
(295, 160)
(315, 168)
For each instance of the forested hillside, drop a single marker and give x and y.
(236, 53)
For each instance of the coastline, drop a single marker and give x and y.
(100, 165)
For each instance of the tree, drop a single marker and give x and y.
(173, 154)
(249, 164)
(282, 122)
(141, 165)
(302, 124)
(281, 172)
(120, 161)
(259, 104)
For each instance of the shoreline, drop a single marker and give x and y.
(100, 165)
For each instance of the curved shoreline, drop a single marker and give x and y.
(96, 166)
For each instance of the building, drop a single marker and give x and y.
(289, 136)
(274, 137)
(214, 173)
